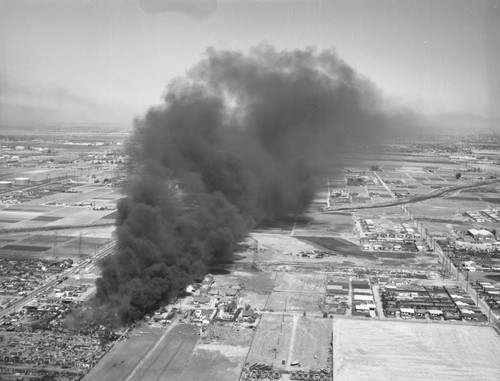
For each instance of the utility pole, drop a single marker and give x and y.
(467, 282)
(55, 243)
(284, 313)
(80, 246)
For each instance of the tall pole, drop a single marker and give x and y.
(467, 282)
(55, 243)
(80, 246)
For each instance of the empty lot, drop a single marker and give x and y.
(379, 350)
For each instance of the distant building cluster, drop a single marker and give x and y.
(434, 302)
(337, 296)
(378, 239)
(363, 302)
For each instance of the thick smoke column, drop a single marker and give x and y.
(236, 142)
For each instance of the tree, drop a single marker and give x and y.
(458, 176)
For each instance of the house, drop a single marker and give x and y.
(383, 280)
(226, 315)
(407, 313)
(435, 314)
(248, 316)
(448, 315)
(204, 316)
(231, 292)
(420, 313)
(364, 298)
(391, 312)
(482, 235)
(362, 291)
(201, 300)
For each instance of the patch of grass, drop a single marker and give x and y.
(494, 277)
(334, 244)
(46, 218)
(25, 248)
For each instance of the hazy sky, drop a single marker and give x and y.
(109, 60)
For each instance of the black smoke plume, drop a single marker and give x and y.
(236, 142)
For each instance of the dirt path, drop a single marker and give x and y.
(291, 354)
(378, 301)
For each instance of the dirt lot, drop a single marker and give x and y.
(257, 286)
(220, 355)
(227, 334)
(281, 243)
(271, 344)
(411, 351)
(166, 362)
(295, 301)
(325, 224)
(171, 358)
(214, 362)
(336, 245)
(283, 340)
(311, 343)
(303, 282)
(124, 356)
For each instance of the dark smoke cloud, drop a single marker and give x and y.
(236, 142)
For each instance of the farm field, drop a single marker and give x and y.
(50, 245)
(389, 350)
(61, 208)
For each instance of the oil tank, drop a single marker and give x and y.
(5, 184)
(22, 181)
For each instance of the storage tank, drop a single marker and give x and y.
(22, 181)
(5, 184)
